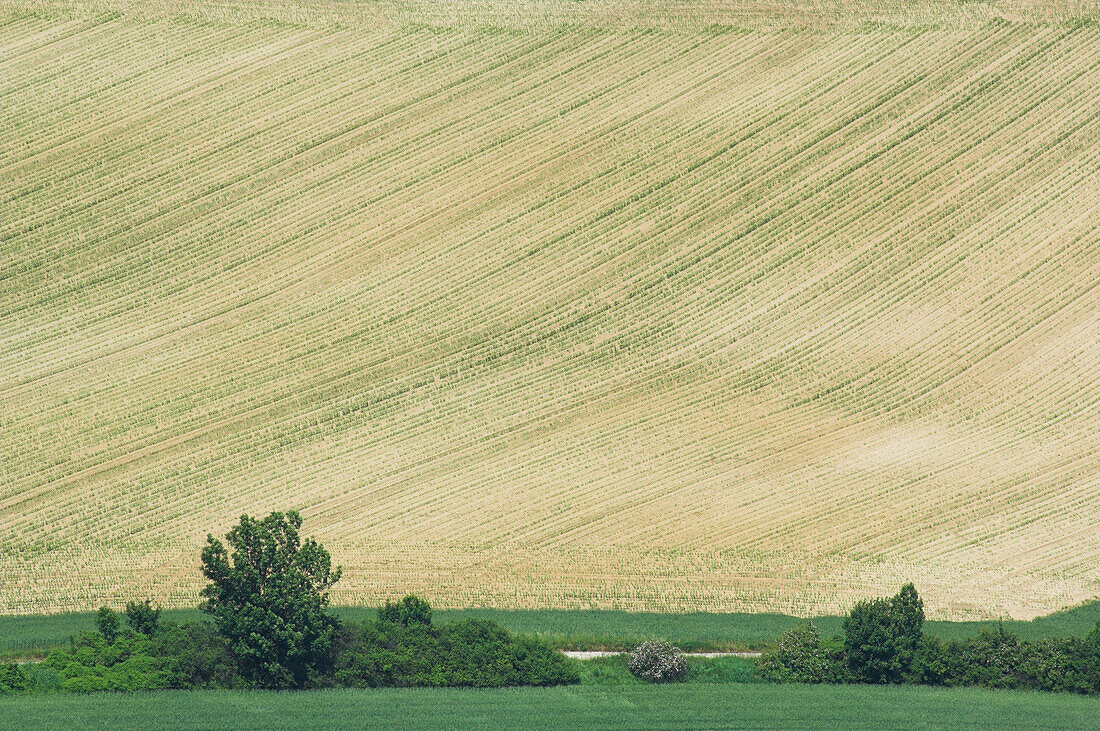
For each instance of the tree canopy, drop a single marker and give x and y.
(412, 610)
(882, 636)
(267, 595)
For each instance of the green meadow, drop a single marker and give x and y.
(689, 706)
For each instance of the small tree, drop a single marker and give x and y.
(882, 636)
(268, 599)
(658, 662)
(106, 621)
(908, 610)
(410, 611)
(143, 618)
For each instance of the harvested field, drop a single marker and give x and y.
(647, 306)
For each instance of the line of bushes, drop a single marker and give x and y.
(267, 597)
(392, 651)
(883, 641)
(406, 650)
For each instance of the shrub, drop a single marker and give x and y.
(41, 678)
(999, 659)
(908, 611)
(931, 664)
(1090, 659)
(534, 663)
(471, 653)
(1055, 664)
(142, 617)
(991, 659)
(192, 655)
(199, 657)
(884, 642)
(94, 664)
(799, 658)
(106, 621)
(409, 611)
(12, 678)
(658, 662)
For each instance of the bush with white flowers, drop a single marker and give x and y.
(658, 662)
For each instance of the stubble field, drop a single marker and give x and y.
(661, 306)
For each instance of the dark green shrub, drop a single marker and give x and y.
(1000, 659)
(366, 667)
(1089, 662)
(991, 659)
(870, 649)
(192, 655)
(534, 663)
(198, 656)
(12, 679)
(411, 610)
(882, 636)
(931, 665)
(142, 617)
(1053, 664)
(471, 653)
(884, 642)
(94, 664)
(106, 621)
(908, 610)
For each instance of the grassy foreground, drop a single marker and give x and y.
(664, 707)
(22, 635)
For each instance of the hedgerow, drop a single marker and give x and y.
(883, 642)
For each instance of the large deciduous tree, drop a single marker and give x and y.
(268, 597)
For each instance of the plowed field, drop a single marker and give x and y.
(654, 306)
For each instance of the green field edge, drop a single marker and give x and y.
(29, 636)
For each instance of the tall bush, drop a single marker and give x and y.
(881, 637)
(404, 650)
(106, 621)
(799, 657)
(143, 618)
(12, 678)
(412, 610)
